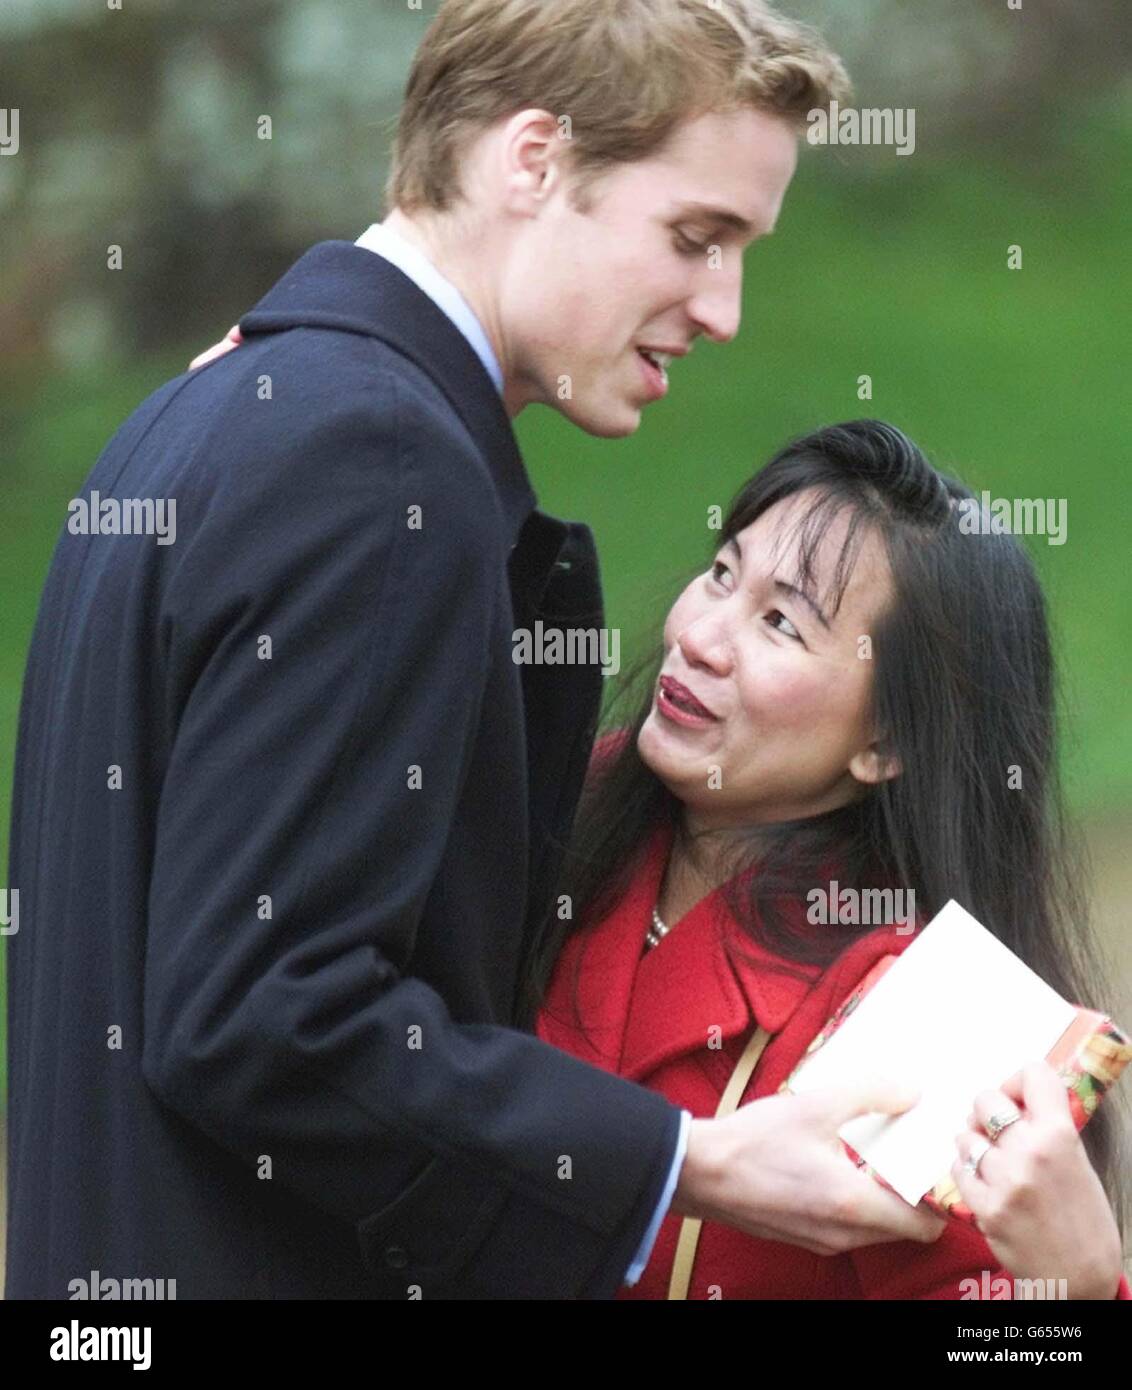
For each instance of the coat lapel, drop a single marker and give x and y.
(554, 580)
(634, 1012)
(587, 1005)
(692, 990)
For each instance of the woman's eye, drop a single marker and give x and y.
(775, 616)
(789, 630)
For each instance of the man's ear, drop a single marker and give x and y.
(872, 765)
(531, 149)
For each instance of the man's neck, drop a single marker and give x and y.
(463, 268)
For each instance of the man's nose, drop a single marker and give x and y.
(717, 307)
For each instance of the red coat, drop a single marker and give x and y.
(649, 1020)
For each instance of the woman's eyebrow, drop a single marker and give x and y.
(783, 586)
(801, 593)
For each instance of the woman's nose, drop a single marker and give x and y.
(705, 642)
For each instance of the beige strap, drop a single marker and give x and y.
(729, 1101)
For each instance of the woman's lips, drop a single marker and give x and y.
(676, 702)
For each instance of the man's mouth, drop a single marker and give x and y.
(655, 370)
(660, 360)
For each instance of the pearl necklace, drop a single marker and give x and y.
(656, 931)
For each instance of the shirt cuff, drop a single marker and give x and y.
(636, 1269)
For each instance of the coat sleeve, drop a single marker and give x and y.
(292, 862)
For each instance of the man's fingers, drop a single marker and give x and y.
(887, 1216)
(876, 1096)
(216, 350)
(884, 1216)
(232, 339)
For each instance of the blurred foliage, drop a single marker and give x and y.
(1015, 381)
(141, 128)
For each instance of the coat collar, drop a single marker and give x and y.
(346, 287)
(634, 1012)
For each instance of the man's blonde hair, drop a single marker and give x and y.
(625, 72)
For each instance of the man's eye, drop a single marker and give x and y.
(789, 630)
(688, 247)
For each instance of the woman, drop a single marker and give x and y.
(859, 689)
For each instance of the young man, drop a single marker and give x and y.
(286, 808)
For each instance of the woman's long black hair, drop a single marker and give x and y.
(963, 694)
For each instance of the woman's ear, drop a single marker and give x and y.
(871, 765)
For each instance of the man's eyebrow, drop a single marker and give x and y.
(784, 587)
(723, 216)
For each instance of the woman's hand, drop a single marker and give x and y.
(1036, 1196)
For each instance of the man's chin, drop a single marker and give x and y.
(607, 424)
(606, 421)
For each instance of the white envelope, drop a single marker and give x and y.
(956, 1014)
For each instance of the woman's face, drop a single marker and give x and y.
(783, 682)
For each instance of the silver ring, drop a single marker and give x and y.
(979, 1151)
(997, 1123)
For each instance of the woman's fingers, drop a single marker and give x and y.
(996, 1114)
(975, 1183)
(1036, 1090)
(1013, 1087)
(1021, 1135)
(1034, 1195)
(1045, 1097)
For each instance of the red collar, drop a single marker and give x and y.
(640, 1012)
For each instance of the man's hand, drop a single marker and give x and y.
(776, 1169)
(234, 339)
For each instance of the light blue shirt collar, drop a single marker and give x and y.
(415, 264)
